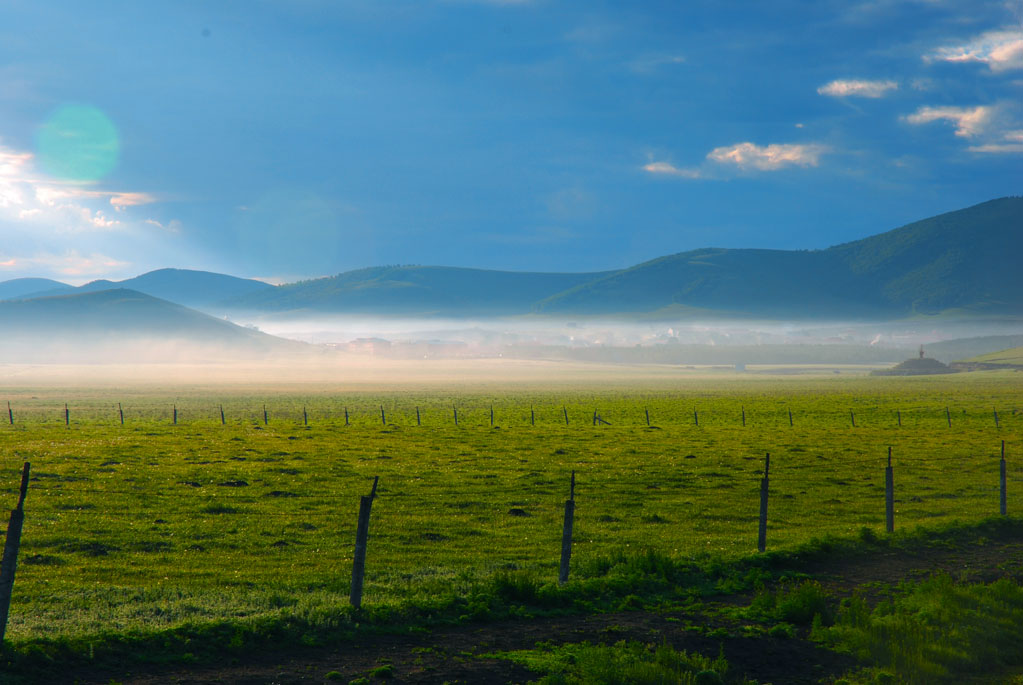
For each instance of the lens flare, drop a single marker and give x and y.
(78, 143)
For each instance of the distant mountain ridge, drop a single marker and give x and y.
(21, 287)
(121, 323)
(183, 286)
(417, 290)
(961, 262)
(966, 260)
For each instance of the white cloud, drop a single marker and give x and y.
(173, 226)
(857, 88)
(71, 264)
(745, 157)
(28, 196)
(768, 158)
(969, 121)
(1010, 142)
(122, 200)
(72, 231)
(1000, 50)
(667, 169)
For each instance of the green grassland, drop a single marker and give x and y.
(1011, 356)
(150, 525)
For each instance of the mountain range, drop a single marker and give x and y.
(962, 262)
(121, 324)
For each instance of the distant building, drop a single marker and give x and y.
(369, 346)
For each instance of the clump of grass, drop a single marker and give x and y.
(800, 604)
(935, 631)
(624, 662)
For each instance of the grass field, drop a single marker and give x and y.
(151, 525)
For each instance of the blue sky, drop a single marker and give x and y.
(300, 138)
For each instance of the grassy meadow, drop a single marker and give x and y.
(151, 525)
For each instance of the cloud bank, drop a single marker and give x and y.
(1000, 50)
(857, 88)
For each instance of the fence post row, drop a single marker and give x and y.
(9, 564)
(762, 533)
(566, 534)
(889, 495)
(361, 537)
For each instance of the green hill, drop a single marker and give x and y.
(183, 286)
(1013, 356)
(121, 322)
(20, 287)
(416, 290)
(965, 261)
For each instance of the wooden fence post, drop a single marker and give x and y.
(762, 533)
(648, 417)
(532, 416)
(565, 409)
(594, 417)
(790, 418)
(10, 413)
(346, 416)
(566, 534)
(898, 413)
(175, 414)
(419, 420)
(383, 417)
(305, 416)
(222, 420)
(948, 415)
(456, 415)
(743, 417)
(361, 538)
(491, 416)
(696, 417)
(889, 495)
(67, 416)
(1002, 500)
(120, 412)
(9, 564)
(266, 417)
(852, 417)
(996, 418)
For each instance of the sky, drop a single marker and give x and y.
(292, 139)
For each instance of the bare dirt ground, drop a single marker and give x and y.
(453, 655)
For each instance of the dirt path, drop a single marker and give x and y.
(449, 655)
